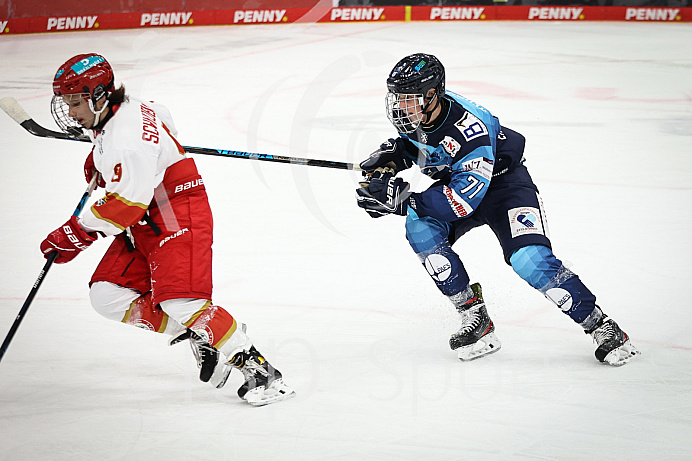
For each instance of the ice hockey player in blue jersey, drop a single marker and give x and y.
(480, 179)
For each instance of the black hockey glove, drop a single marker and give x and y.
(393, 153)
(385, 194)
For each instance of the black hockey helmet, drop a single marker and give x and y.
(408, 85)
(417, 74)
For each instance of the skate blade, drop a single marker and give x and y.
(621, 355)
(276, 392)
(487, 345)
(220, 376)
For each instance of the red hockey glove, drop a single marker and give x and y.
(68, 240)
(90, 169)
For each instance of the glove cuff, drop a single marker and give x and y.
(84, 236)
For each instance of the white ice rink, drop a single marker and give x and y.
(337, 300)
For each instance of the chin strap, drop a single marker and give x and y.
(97, 113)
(426, 109)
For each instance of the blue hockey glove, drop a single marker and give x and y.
(397, 154)
(385, 194)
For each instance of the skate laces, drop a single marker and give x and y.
(201, 349)
(606, 332)
(470, 319)
(202, 352)
(250, 365)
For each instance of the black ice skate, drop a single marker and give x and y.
(212, 370)
(263, 383)
(476, 336)
(614, 347)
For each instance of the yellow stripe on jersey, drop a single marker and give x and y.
(118, 211)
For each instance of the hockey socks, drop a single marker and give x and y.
(445, 268)
(537, 265)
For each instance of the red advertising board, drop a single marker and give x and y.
(86, 20)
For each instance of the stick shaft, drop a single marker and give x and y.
(42, 275)
(14, 110)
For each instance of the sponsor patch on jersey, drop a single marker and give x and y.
(458, 205)
(480, 166)
(451, 145)
(438, 266)
(471, 127)
(561, 297)
(525, 220)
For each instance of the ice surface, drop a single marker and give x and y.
(337, 300)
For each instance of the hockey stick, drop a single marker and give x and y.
(42, 274)
(14, 110)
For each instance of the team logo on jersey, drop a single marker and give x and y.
(451, 145)
(471, 127)
(438, 266)
(525, 220)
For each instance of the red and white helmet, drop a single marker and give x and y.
(85, 74)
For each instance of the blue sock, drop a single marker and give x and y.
(537, 265)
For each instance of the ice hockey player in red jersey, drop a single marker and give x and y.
(157, 273)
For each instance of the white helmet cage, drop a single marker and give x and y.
(405, 111)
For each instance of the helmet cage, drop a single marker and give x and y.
(405, 111)
(61, 114)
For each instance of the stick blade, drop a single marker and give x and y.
(14, 110)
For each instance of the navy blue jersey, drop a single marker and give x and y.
(463, 150)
